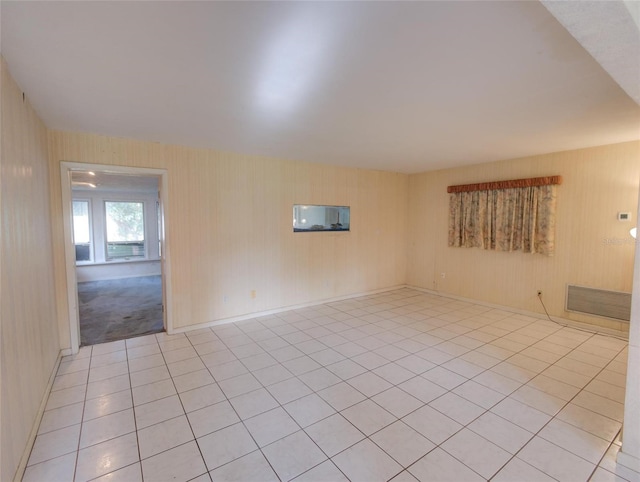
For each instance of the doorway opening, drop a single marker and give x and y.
(115, 226)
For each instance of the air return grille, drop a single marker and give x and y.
(605, 303)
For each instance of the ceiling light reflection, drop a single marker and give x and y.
(295, 58)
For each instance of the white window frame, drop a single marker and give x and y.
(91, 259)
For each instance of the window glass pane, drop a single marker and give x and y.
(308, 218)
(125, 229)
(82, 230)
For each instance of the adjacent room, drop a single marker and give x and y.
(116, 234)
(331, 241)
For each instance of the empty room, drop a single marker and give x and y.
(320, 241)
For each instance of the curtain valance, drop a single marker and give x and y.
(490, 186)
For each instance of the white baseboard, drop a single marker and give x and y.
(559, 320)
(22, 466)
(275, 311)
(629, 461)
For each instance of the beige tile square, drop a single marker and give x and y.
(601, 405)
(319, 379)
(369, 384)
(271, 426)
(521, 471)
(444, 378)
(253, 403)
(107, 427)
(289, 390)
(574, 440)
(522, 415)
(69, 380)
(394, 373)
(180, 463)
(439, 465)
(146, 362)
(108, 358)
(142, 351)
(397, 402)
(149, 375)
(341, 396)
(422, 389)
(334, 434)
(130, 473)
(239, 385)
(308, 410)
(66, 396)
(457, 408)
(224, 371)
(251, 467)
(56, 469)
(211, 418)
(432, 424)
(106, 387)
(153, 391)
(324, 472)
(106, 457)
(192, 380)
(476, 452)
(403, 443)
(366, 462)
(273, 374)
(368, 417)
(53, 444)
(185, 366)
(201, 397)
(293, 455)
(478, 394)
(226, 445)
(555, 461)
(164, 436)
(589, 421)
(158, 411)
(58, 418)
(108, 371)
(504, 434)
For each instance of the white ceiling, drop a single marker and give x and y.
(399, 86)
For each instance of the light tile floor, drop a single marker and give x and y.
(399, 386)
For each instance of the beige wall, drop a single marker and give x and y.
(592, 247)
(30, 344)
(230, 227)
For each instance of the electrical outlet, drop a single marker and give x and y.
(443, 275)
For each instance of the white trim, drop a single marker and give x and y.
(70, 256)
(257, 314)
(24, 459)
(561, 321)
(72, 294)
(92, 256)
(578, 325)
(629, 461)
(119, 261)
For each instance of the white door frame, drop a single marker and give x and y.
(66, 168)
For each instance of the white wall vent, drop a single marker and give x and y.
(605, 303)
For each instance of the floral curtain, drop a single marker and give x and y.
(513, 219)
